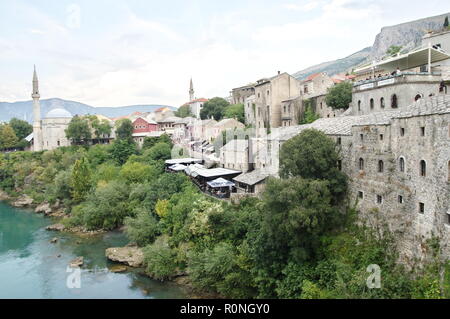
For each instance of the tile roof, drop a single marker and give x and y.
(252, 177)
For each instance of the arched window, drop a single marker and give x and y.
(372, 104)
(380, 166)
(361, 164)
(394, 101)
(382, 102)
(359, 105)
(417, 97)
(401, 164)
(423, 168)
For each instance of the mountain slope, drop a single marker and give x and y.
(337, 66)
(24, 110)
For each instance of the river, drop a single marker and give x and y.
(32, 267)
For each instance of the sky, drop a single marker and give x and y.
(117, 52)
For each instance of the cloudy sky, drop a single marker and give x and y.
(117, 52)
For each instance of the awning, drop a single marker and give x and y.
(177, 167)
(220, 182)
(191, 170)
(413, 59)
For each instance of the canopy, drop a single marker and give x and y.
(177, 167)
(415, 58)
(191, 170)
(220, 182)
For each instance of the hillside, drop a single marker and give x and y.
(408, 35)
(24, 110)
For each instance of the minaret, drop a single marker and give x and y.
(37, 130)
(191, 92)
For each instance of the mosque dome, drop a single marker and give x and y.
(58, 113)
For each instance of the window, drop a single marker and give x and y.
(361, 137)
(382, 102)
(381, 137)
(423, 168)
(339, 141)
(447, 218)
(401, 164)
(400, 199)
(394, 101)
(321, 105)
(422, 208)
(380, 166)
(371, 104)
(417, 97)
(359, 105)
(259, 95)
(360, 195)
(339, 163)
(422, 131)
(284, 109)
(379, 199)
(402, 131)
(268, 92)
(361, 164)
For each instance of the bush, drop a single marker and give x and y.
(160, 260)
(142, 229)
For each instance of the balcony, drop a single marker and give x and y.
(404, 77)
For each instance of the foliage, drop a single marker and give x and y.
(214, 108)
(142, 229)
(160, 259)
(235, 111)
(160, 151)
(149, 142)
(393, 50)
(122, 149)
(339, 96)
(21, 128)
(446, 24)
(135, 172)
(183, 111)
(124, 130)
(79, 130)
(8, 138)
(80, 182)
(309, 116)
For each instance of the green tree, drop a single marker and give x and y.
(235, 111)
(8, 138)
(101, 128)
(79, 131)
(122, 149)
(138, 172)
(21, 128)
(214, 108)
(339, 96)
(313, 155)
(183, 111)
(124, 130)
(393, 50)
(80, 181)
(309, 116)
(160, 151)
(446, 24)
(160, 259)
(142, 229)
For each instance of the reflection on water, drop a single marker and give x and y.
(31, 267)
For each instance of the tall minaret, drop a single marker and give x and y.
(37, 130)
(191, 92)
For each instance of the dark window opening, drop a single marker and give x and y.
(339, 141)
(361, 164)
(422, 131)
(371, 104)
(402, 131)
(381, 137)
(382, 102)
(380, 166)
(400, 199)
(394, 101)
(402, 164)
(339, 163)
(422, 208)
(360, 195)
(423, 168)
(379, 199)
(359, 105)
(361, 137)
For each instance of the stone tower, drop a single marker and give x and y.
(191, 92)
(37, 130)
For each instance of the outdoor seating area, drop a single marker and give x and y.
(216, 182)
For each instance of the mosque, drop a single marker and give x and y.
(48, 132)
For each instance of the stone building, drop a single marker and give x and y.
(239, 95)
(292, 110)
(398, 163)
(269, 94)
(439, 40)
(249, 110)
(234, 155)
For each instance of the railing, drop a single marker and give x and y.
(393, 77)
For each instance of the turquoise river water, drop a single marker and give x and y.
(32, 267)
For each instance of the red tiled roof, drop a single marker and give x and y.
(312, 76)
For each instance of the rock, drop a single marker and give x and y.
(118, 268)
(58, 256)
(54, 240)
(131, 256)
(43, 208)
(56, 227)
(77, 262)
(23, 201)
(4, 196)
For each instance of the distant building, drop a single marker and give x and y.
(195, 104)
